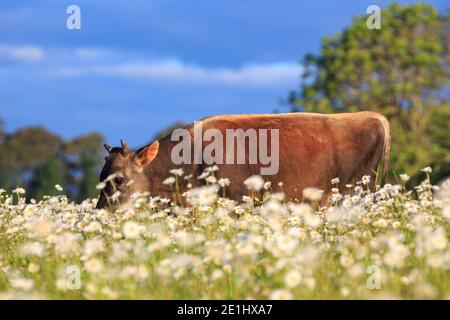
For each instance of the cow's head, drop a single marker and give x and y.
(124, 171)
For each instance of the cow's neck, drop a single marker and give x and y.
(160, 168)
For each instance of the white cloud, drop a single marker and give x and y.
(25, 53)
(92, 61)
(173, 70)
(89, 53)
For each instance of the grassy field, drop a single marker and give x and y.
(392, 243)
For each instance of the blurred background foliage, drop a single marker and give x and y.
(38, 159)
(400, 70)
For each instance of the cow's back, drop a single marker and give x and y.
(313, 149)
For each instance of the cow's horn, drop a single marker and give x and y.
(124, 146)
(107, 147)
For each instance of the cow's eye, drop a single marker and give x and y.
(119, 181)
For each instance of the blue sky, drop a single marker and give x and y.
(138, 66)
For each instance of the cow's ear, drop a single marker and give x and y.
(147, 155)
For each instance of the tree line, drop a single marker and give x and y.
(38, 159)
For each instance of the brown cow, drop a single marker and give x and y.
(313, 149)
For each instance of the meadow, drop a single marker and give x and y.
(388, 244)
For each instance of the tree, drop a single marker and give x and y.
(2, 130)
(24, 150)
(84, 158)
(39, 159)
(46, 176)
(400, 70)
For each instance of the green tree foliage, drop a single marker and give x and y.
(400, 70)
(2, 130)
(23, 151)
(86, 158)
(46, 176)
(38, 159)
(89, 167)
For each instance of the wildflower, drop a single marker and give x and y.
(19, 190)
(446, 212)
(212, 168)
(396, 256)
(292, 279)
(33, 249)
(203, 175)
(365, 179)
(33, 267)
(94, 246)
(312, 220)
(67, 243)
(58, 187)
(22, 283)
(310, 282)
(180, 211)
(411, 207)
(396, 224)
(301, 209)
(273, 207)
(287, 244)
(346, 260)
(254, 183)
(404, 177)
(345, 291)
(427, 170)
(381, 223)
(211, 179)
(279, 196)
(203, 196)
(438, 240)
(131, 230)
(239, 210)
(177, 172)
(115, 196)
(335, 181)
(41, 227)
(312, 194)
(347, 203)
(224, 182)
(94, 226)
(100, 186)
(111, 177)
(93, 266)
(217, 274)
(281, 294)
(227, 268)
(169, 181)
(184, 239)
(335, 197)
(110, 294)
(356, 271)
